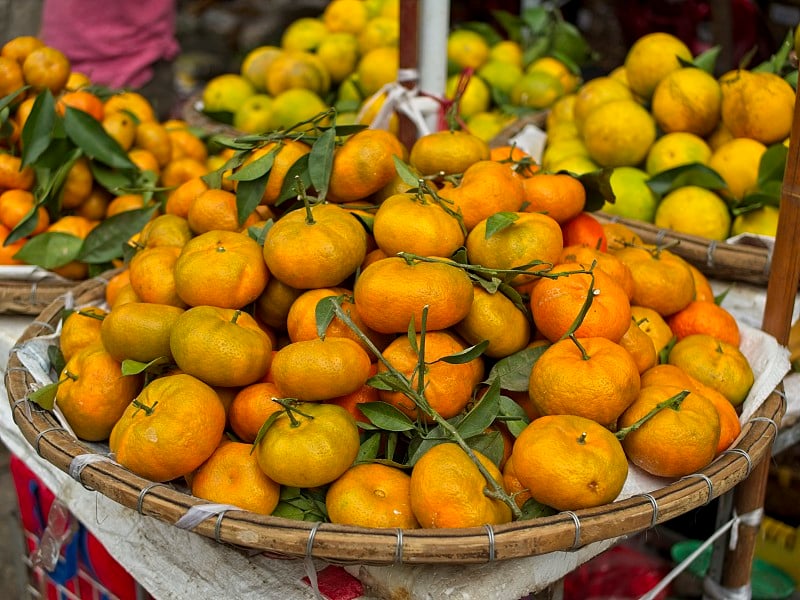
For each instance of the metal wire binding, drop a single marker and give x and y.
(42, 433)
(577, 541)
(708, 481)
(79, 463)
(308, 562)
(218, 526)
(34, 287)
(712, 245)
(44, 325)
(660, 234)
(398, 549)
(143, 493)
(766, 420)
(490, 533)
(746, 457)
(654, 503)
(311, 535)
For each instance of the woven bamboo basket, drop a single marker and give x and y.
(21, 297)
(728, 262)
(347, 544)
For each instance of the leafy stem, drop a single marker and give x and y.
(673, 402)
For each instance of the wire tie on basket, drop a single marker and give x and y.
(490, 533)
(41, 435)
(44, 325)
(398, 549)
(577, 541)
(712, 246)
(200, 512)
(746, 457)
(654, 503)
(34, 288)
(751, 519)
(766, 420)
(708, 481)
(78, 463)
(143, 493)
(308, 561)
(660, 234)
(714, 590)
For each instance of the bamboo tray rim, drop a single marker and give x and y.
(30, 297)
(341, 544)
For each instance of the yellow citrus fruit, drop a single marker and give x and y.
(536, 89)
(255, 64)
(297, 69)
(254, 115)
(653, 324)
(312, 447)
(675, 150)
(476, 97)
(372, 495)
(557, 151)
(688, 99)
(696, 211)
(305, 34)
(619, 133)
(737, 162)
(46, 68)
(494, 317)
(467, 48)
(339, 54)
(132, 102)
(379, 31)
(80, 329)
(757, 105)
(662, 280)
(569, 462)
(596, 92)
(377, 68)
(294, 106)
(500, 75)
(507, 51)
(548, 64)
(345, 15)
(447, 151)
(139, 331)
(633, 199)
(651, 58)
(762, 221)
(447, 472)
(226, 92)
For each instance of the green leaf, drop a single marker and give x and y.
(386, 416)
(50, 250)
(513, 415)
(134, 367)
(89, 135)
(38, 129)
(511, 24)
(368, 450)
(597, 185)
(692, 174)
(258, 168)
(325, 312)
(499, 222)
(490, 444)
(105, 241)
(537, 19)
(298, 170)
(707, 60)
(411, 334)
(533, 509)
(350, 128)
(772, 164)
(663, 355)
(482, 414)
(248, 196)
(262, 431)
(7, 100)
(514, 372)
(383, 381)
(406, 172)
(45, 396)
(435, 437)
(113, 180)
(791, 79)
(320, 162)
(25, 226)
(465, 356)
(56, 358)
(567, 39)
(537, 49)
(259, 234)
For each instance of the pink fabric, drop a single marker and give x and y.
(114, 42)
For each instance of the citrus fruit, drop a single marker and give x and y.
(493, 316)
(226, 93)
(676, 149)
(80, 329)
(651, 58)
(633, 198)
(761, 221)
(371, 495)
(569, 462)
(377, 68)
(662, 280)
(297, 70)
(139, 331)
(231, 475)
(311, 445)
(255, 64)
(757, 105)
(640, 346)
(175, 424)
(294, 106)
(618, 133)
(447, 151)
(500, 75)
(304, 34)
(595, 93)
(338, 53)
(467, 48)
(559, 196)
(696, 211)
(364, 164)
(476, 96)
(688, 100)
(536, 89)
(447, 490)
(254, 115)
(251, 407)
(152, 275)
(737, 162)
(654, 325)
(705, 317)
(46, 68)
(345, 15)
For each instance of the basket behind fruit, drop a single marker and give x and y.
(567, 530)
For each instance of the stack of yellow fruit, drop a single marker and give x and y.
(660, 112)
(347, 53)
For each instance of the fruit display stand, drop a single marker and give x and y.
(28, 290)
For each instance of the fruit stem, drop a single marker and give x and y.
(404, 386)
(70, 375)
(148, 410)
(92, 315)
(582, 438)
(235, 316)
(290, 406)
(674, 402)
(584, 354)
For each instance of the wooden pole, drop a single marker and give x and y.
(409, 60)
(781, 292)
